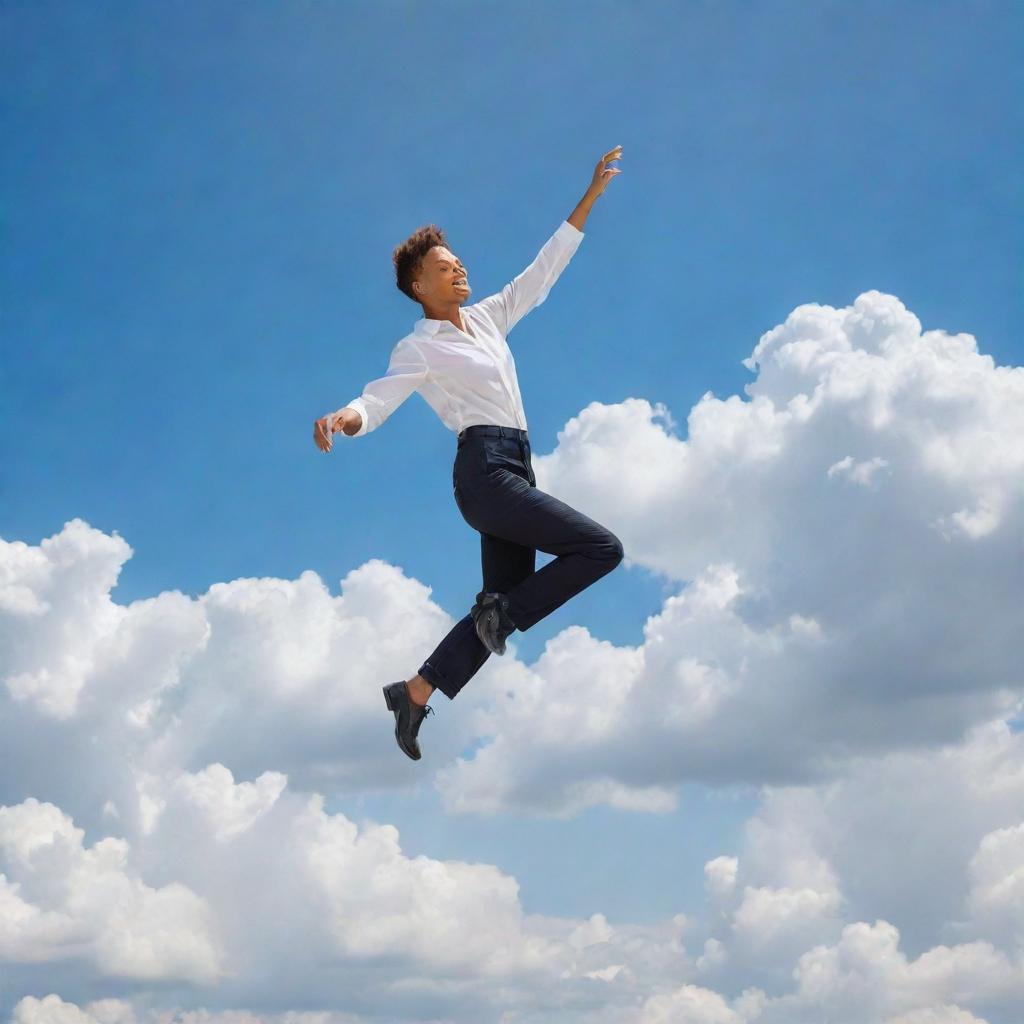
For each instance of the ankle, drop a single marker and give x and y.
(419, 690)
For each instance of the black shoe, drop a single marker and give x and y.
(408, 717)
(490, 614)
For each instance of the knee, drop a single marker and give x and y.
(613, 550)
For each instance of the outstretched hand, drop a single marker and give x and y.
(330, 424)
(321, 435)
(603, 173)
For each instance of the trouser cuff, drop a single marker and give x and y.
(436, 678)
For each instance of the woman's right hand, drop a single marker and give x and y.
(344, 418)
(321, 435)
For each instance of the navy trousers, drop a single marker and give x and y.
(497, 494)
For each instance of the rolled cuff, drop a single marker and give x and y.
(569, 232)
(333, 417)
(360, 408)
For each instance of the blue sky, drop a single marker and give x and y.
(199, 205)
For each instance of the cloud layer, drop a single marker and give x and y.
(846, 543)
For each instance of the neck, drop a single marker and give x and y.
(452, 312)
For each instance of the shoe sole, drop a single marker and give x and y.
(401, 746)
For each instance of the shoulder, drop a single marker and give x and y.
(412, 347)
(485, 310)
(407, 342)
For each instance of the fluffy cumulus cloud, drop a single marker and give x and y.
(246, 675)
(285, 901)
(848, 546)
(996, 875)
(59, 899)
(175, 842)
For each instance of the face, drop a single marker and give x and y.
(443, 278)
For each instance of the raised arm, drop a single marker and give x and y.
(407, 370)
(530, 288)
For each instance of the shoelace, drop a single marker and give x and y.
(427, 710)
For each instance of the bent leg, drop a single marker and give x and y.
(530, 517)
(516, 519)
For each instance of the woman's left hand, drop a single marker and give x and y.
(603, 173)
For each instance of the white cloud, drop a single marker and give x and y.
(256, 674)
(865, 974)
(831, 606)
(229, 808)
(720, 876)
(861, 473)
(689, 1004)
(996, 872)
(936, 1015)
(767, 916)
(930, 839)
(51, 1009)
(310, 900)
(56, 598)
(849, 543)
(844, 637)
(62, 899)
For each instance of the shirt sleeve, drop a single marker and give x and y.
(530, 288)
(406, 371)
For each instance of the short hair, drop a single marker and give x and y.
(408, 257)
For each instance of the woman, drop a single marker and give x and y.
(458, 358)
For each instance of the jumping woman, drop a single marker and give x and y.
(458, 358)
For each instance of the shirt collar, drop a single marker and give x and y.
(429, 327)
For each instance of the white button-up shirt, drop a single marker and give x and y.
(468, 376)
